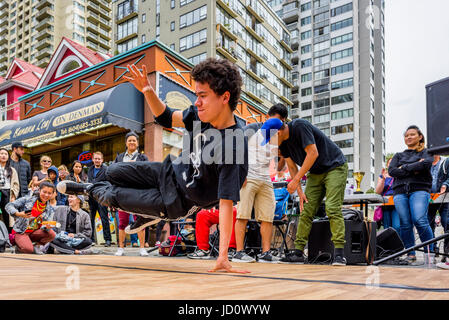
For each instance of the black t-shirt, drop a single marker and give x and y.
(213, 164)
(71, 222)
(302, 134)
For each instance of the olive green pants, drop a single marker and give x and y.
(332, 186)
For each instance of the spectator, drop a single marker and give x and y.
(53, 201)
(22, 168)
(97, 173)
(390, 217)
(412, 184)
(9, 185)
(73, 235)
(440, 182)
(41, 175)
(61, 198)
(257, 192)
(30, 215)
(130, 155)
(76, 172)
(204, 220)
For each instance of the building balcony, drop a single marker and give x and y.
(43, 63)
(321, 10)
(44, 53)
(44, 3)
(286, 82)
(294, 43)
(44, 24)
(253, 73)
(127, 14)
(3, 58)
(224, 28)
(106, 24)
(228, 53)
(226, 5)
(43, 43)
(253, 96)
(3, 22)
(92, 45)
(255, 55)
(3, 31)
(254, 34)
(44, 34)
(45, 13)
(286, 64)
(295, 97)
(3, 40)
(286, 100)
(290, 16)
(124, 38)
(251, 7)
(3, 5)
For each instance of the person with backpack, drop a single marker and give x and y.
(257, 193)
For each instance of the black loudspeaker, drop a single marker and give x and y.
(438, 116)
(388, 242)
(321, 248)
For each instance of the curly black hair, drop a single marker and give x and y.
(221, 75)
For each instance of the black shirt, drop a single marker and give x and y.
(302, 134)
(71, 222)
(213, 164)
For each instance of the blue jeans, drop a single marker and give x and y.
(444, 211)
(390, 218)
(412, 209)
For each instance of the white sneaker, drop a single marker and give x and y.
(143, 252)
(443, 265)
(120, 252)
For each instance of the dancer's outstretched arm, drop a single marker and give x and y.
(225, 225)
(142, 83)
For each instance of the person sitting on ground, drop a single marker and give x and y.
(42, 174)
(205, 219)
(31, 214)
(181, 186)
(73, 235)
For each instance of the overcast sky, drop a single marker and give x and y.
(416, 54)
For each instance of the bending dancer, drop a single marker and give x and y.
(210, 171)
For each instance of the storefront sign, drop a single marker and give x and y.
(85, 157)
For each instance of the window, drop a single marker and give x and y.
(193, 17)
(349, 158)
(3, 107)
(306, 21)
(306, 63)
(144, 38)
(342, 39)
(341, 24)
(306, 92)
(193, 40)
(306, 6)
(345, 143)
(198, 58)
(322, 103)
(128, 45)
(71, 63)
(322, 118)
(342, 54)
(342, 99)
(306, 106)
(184, 2)
(144, 18)
(321, 89)
(172, 26)
(342, 114)
(340, 10)
(342, 69)
(342, 84)
(126, 8)
(346, 128)
(172, 4)
(306, 49)
(126, 28)
(306, 35)
(306, 77)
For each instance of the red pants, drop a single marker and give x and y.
(204, 220)
(25, 241)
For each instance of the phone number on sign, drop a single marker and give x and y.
(85, 125)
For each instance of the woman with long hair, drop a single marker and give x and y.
(9, 185)
(412, 183)
(42, 174)
(76, 172)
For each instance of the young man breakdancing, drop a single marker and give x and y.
(210, 170)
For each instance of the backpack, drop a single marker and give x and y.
(281, 196)
(178, 250)
(4, 237)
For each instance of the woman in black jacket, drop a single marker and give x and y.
(412, 183)
(130, 155)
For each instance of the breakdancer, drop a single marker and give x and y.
(210, 170)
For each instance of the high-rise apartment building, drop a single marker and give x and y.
(339, 75)
(31, 29)
(246, 32)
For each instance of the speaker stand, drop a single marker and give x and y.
(434, 240)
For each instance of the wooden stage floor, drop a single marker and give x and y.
(132, 278)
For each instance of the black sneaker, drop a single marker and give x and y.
(339, 261)
(140, 224)
(107, 243)
(72, 188)
(293, 257)
(267, 257)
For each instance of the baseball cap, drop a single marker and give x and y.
(17, 144)
(270, 127)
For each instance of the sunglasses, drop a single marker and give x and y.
(46, 161)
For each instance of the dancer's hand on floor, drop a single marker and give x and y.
(223, 265)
